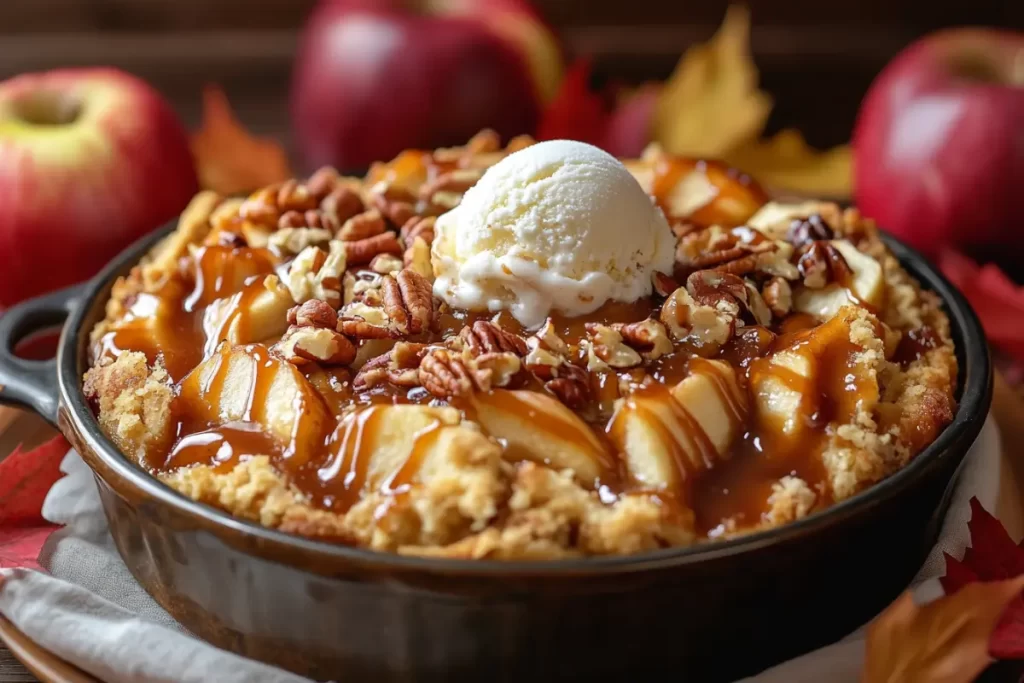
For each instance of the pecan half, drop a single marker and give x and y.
(484, 336)
(322, 182)
(362, 251)
(456, 181)
(362, 225)
(447, 375)
(396, 210)
(313, 313)
(341, 204)
(408, 302)
(419, 226)
(294, 196)
(307, 219)
(821, 263)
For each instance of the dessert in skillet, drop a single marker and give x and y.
(523, 352)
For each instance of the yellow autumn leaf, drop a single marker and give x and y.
(711, 103)
(711, 107)
(786, 162)
(229, 160)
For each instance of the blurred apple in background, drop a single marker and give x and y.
(90, 159)
(374, 77)
(939, 142)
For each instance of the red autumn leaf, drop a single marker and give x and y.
(997, 300)
(992, 556)
(20, 546)
(575, 112)
(944, 641)
(25, 479)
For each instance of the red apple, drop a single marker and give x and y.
(374, 77)
(90, 159)
(939, 142)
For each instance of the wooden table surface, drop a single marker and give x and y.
(1008, 410)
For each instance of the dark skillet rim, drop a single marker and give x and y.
(974, 390)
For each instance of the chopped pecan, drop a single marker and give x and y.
(362, 251)
(709, 287)
(321, 345)
(313, 313)
(821, 263)
(399, 366)
(341, 204)
(607, 349)
(544, 364)
(572, 388)
(261, 207)
(419, 226)
(486, 140)
(396, 210)
(647, 336)
(417, 258)
(386, 263)
(293, 240)
(314, 274)
(456, 181)
(362, 225)
(307, 219)
(484, 336)
(502, 367)
(322, 182)
(360, 321)
(448, 375)
(519, 142)
(778, 295)
(803, 231)
(446, 201)
(664, 284)
(707, 325)
(408, 302)
(294, 196)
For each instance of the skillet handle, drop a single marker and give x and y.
(33, 383)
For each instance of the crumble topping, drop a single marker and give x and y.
(282, 357)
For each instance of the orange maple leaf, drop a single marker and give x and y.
(944, 641)
(230, 160)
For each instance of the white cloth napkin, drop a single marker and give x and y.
(91, 612)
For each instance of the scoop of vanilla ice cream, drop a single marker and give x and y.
(558, 226)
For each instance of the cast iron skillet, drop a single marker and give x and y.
(712, 612)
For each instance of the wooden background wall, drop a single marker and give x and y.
(816, 56)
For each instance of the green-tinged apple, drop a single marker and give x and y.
(374, 77)
(939, 142)
(90, 159)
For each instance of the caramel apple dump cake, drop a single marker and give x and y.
(528, 351)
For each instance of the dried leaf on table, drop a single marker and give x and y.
(787, 162)
(229, 160)
(992, 556)
(25, 479)
(944, 641)
(711, 103)
(998, 300)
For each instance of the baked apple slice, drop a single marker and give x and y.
(539, 428)
(669, 436)
(246, 383)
